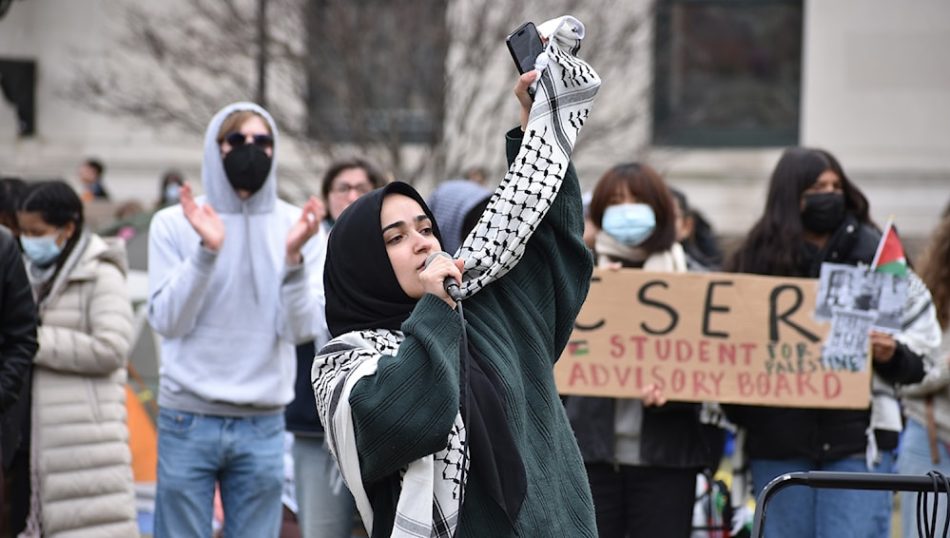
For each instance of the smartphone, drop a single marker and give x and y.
(525, 45)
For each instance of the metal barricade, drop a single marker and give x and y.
(832, 480)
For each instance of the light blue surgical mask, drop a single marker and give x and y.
(630, 224)
(172, 193)
(42, 251)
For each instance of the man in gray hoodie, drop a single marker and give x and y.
(233, 285)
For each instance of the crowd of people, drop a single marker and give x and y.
(425, 409)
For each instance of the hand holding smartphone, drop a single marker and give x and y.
(525, 45)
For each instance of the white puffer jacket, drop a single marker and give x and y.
(80, 451)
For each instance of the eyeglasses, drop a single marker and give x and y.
(344, 188)
(239, 139)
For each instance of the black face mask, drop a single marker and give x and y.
(247, 167)
(823, 212)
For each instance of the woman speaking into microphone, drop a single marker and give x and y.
(444, 415)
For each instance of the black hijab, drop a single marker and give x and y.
(362, 291)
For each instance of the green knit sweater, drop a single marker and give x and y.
(519, 326)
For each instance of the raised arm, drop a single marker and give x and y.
(302, 317)
(536, 212)
(539, 162)
(533, 236)
(557, 266)
(178, 276)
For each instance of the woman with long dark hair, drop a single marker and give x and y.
(815, 214)
(80, 464)
(809, 199)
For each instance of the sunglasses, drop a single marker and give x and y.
(239, 139)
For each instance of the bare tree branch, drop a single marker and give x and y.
(366, 68)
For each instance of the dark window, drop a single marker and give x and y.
(18, 86)
(727, 73)
(376, 70)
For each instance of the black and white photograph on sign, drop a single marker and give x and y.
(846, 348)
(847, 287)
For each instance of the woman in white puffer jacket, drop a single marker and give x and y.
(81, 478)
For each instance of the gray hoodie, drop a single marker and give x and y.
(229, 320)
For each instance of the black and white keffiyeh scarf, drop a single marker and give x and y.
(428, 504)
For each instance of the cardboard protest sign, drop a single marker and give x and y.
(712, 336)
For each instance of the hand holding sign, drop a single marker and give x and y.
(883, 346)
(653, 396)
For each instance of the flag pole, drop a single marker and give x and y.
(880, 245)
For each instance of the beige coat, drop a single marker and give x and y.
(81, 452)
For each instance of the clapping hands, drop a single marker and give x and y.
(204, 219)
(306, 226)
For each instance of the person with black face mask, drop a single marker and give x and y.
(233, 286)
(815, 214)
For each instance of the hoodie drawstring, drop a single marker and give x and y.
(247, 238)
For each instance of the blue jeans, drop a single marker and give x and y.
(324, 504)
(799, 511)
(243, 454)
(914, 458)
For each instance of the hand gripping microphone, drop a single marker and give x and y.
(450, 285)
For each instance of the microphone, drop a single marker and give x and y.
(450, 285)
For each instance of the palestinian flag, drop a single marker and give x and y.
(578, 347)
(890, 253)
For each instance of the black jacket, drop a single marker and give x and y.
(301, 414)
(670, 435)
(826, 434)
(17, 343)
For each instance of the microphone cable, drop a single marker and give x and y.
(452, 290)
(464, 360)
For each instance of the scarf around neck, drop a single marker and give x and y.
(609, 249)
(606, 245)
